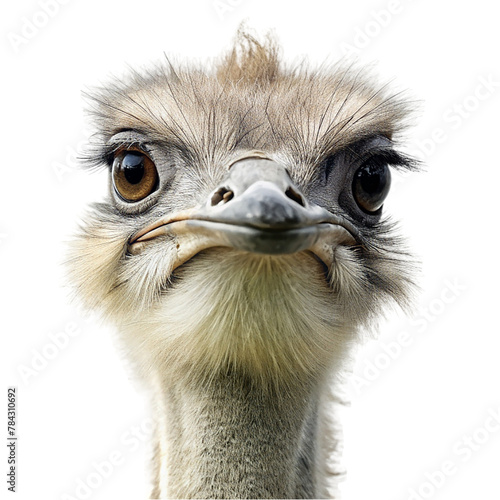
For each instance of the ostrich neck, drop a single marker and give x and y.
(228, 439)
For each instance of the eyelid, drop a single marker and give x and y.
(126, 139)
(139, 148)
(119, 147)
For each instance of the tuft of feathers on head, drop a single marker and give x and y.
(250, 61)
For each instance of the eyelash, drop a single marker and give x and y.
(391, 157)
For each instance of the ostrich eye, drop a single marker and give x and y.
(134, 175)
(371, 184)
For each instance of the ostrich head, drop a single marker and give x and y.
(242, 245)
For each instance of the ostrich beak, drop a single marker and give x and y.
(256, 209)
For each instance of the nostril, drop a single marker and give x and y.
(221, 195)
(293, 195)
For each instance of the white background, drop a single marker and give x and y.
(411, 412)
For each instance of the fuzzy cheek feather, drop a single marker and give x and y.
(93, 263)
(272, 318)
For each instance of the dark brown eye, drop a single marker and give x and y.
(371, 184)
(134, 175)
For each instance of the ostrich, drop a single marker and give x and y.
(239, 252)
